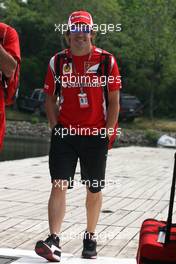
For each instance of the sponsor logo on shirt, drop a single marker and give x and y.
(67, 68)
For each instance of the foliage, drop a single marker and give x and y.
(145, 48)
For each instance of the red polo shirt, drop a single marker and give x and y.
(10, 42)
(70, 112)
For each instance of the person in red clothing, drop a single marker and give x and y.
(9, 71)
(81, 128)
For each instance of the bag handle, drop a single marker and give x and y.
(171, 204)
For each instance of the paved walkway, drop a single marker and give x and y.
(138, 182)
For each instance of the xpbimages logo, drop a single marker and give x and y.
(102, 132)
(64, 184)
(69, 81)
(102, 28)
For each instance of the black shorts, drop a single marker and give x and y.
(92, 153)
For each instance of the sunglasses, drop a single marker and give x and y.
(80, 28)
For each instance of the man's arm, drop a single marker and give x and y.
(7, 63)
(113, 110)
(51, 109)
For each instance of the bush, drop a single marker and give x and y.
(151, 136)
(34, 120)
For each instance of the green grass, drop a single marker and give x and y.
(157, 124)
(15, 115)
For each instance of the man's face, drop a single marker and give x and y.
(80, 36)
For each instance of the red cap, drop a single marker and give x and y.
(80, 17)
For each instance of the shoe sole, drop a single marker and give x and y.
(44, 251)
(85, 256)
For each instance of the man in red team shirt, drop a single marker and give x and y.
(9, 69)
(81, 113)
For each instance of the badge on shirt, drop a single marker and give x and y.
(83, 100)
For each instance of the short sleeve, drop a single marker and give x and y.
(50, 85)
(11, 43)
(114, 78)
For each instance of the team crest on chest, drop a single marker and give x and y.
(91, 67)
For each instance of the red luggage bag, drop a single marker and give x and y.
(157, 242)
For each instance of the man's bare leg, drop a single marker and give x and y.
(93, 207)
(57, 206)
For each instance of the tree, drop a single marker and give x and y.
(144, 48)
(150, 38)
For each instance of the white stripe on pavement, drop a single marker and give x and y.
(30, 257)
